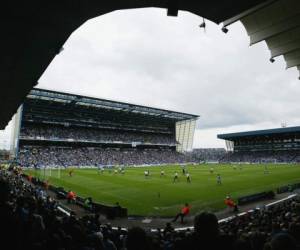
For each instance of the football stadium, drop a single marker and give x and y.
(88, 173)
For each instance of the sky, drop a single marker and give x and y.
(145, 57)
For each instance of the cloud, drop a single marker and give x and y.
(5, 136)
(144, 57)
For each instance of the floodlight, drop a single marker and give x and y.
(203, 24)
(224, 29)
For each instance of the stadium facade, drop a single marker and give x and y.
(50, 119)
(263, 140)
(280, 145)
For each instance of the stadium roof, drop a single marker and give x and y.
(266, 132)
(33, 33)
(277, 22)
(85, 101)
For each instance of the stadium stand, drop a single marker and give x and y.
(93, 135)
(31, 216)
(4, 155)
(64, 157)
(208, 154)
(264, 20)
(281, 145)
(263, 157)
(31, 219)
(59, 130)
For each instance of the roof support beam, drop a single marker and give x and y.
(292, 63)
(273, 30)
(292, 55)
(247, 13)
(286, 48)
(283, 38)
(292, 59)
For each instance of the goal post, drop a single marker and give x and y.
(47, 172)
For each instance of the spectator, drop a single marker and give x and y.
(36, 222)
(183, 213)
(71, 197)
(231, 204)
(29, 178)
(137, 239)
(88, 202)
(282, 241)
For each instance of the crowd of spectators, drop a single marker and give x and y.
(95, 135)
(66, 156)
(30, 220)
(222, 156)
(94, 156)
(208, 154)
(288, 156)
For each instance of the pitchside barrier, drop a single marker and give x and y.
(110, 212)
(64, 209)
(288, 188)
(292, 196)
(262, 163)
(256, 197)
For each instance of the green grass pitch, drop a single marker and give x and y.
(159, 196)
